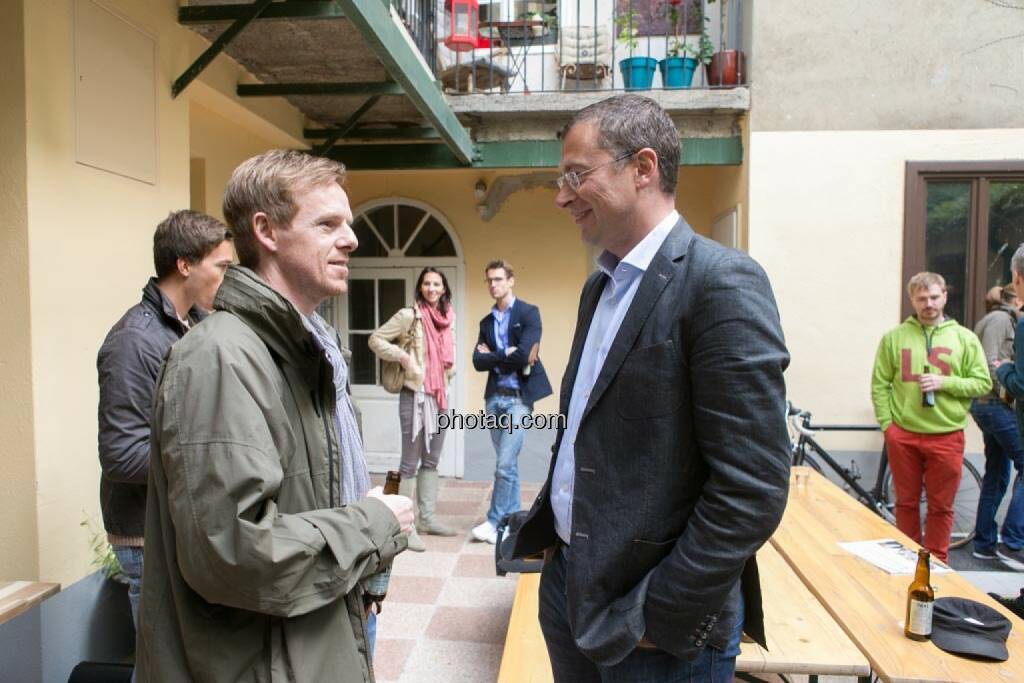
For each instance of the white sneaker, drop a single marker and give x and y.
(485, 532)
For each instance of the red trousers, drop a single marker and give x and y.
(934, 461)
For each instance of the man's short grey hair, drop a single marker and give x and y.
(628, 123)
(1017, 262)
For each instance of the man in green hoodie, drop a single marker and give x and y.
(260, 524)
(926, 372)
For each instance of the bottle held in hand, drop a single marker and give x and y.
(927, 397)
(376, 586)
(920, 600)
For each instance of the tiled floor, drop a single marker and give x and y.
(447, 612)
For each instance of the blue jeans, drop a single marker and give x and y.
(1003, 449)
(130, 559)
(507, 444)
(371, 631)
(569, 665)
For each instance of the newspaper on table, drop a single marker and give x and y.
(890, 556)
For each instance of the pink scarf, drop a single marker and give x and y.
(439, 352)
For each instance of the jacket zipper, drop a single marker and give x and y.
(327, 433)
(330, 462)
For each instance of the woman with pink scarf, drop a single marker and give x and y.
(425, 336)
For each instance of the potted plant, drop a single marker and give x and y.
(637, 72)
(726, 66)
(680, 62)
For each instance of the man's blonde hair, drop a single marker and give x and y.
(266, 183)
(925, 280)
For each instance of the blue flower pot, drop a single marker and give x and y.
(638, 72)
(677, 72)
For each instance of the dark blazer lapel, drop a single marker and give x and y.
(487, 326)
(655, 279)
(515, 318)
(588, 304)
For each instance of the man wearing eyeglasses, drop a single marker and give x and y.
(673, 468)
(507, 350)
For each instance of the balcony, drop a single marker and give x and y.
(368, 75)
(526, 47)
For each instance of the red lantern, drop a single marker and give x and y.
(463, 19)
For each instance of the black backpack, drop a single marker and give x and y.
(508, 529)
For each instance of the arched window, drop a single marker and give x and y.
(401, 230)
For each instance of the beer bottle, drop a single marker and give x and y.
(376, 586)
(920, 600)
(392, 483)
(927, 397)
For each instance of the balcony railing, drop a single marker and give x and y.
(572, 45)
(420, 17)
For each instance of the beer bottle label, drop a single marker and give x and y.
(921, 617)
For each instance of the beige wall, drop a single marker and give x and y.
(90, 255)
(84, 256)
(17, 461)
(220, 144)
(826, 222)
(538, 239)
(880, 65)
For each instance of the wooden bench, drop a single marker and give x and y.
(802, 637)
(20, 596)
(868, 603)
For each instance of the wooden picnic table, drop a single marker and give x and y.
(802, 637)
(865, 601)
(20, 596)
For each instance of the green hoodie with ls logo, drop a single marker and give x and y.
(948, 349)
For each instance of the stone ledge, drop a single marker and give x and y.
(556, 104)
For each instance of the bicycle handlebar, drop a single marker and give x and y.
(800, 419)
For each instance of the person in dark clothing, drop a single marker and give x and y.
(191, 252)
(998, 424)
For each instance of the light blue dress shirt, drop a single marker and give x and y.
(502, 319)
(623, 280)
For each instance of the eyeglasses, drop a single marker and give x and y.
(575, 178)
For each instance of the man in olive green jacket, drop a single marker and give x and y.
(253, 558)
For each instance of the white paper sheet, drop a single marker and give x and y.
(890, 556)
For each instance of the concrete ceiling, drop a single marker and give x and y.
(313, 51)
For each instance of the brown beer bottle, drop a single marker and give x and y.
(920, 600)
(392, 483)
(376, 586)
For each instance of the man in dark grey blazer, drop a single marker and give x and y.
(672, 469)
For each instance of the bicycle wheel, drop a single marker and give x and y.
(965, 505)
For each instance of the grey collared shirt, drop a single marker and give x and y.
(623, 281)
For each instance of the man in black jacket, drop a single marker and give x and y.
(191, 252)
(672, 469)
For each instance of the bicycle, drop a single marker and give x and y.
(881, 499)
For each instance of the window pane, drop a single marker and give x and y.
(408, 218)
(433, 240)
(361, 305)
(1005, 229)
(945, 247)
(369, 245)
(364, 363)
(392, 297)
(383, 218)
